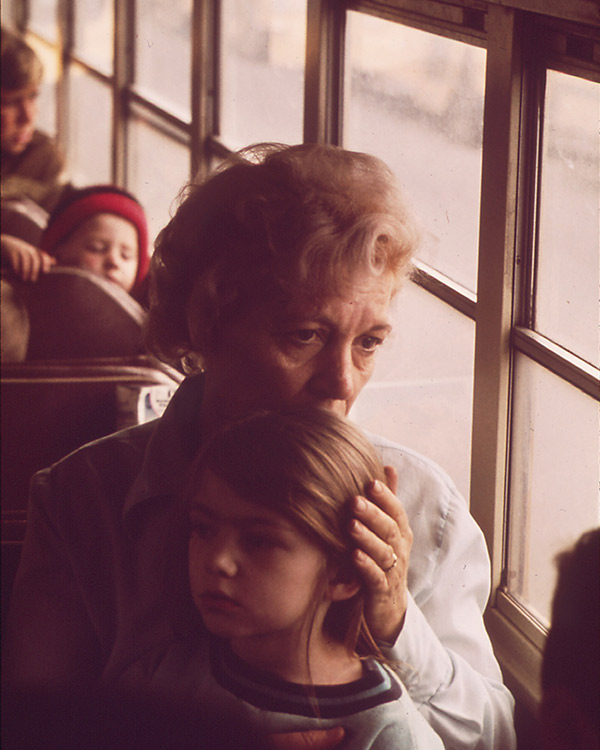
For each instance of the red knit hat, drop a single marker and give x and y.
(79, 205)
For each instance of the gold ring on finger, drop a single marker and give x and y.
(393, 565)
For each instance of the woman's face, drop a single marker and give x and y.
(105, 244)
(318, 352)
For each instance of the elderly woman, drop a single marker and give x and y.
(273, 282)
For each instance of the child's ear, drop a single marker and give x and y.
(341, 585)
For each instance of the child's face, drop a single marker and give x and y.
(18, 113)
(253, 575)
(105, 244)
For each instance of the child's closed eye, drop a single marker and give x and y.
(94, 246)
(128, 254)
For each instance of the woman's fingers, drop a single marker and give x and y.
(391, 478)
(383, 537)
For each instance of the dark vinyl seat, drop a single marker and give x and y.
(23, 218)
(47, 410)
(85, 337)
(85, 344)
(75, 314)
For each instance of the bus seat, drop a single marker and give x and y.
(23, 218)
(75, 314)
(49, 409)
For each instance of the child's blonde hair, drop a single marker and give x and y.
(306, 464)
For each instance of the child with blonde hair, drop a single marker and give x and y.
(284, 640)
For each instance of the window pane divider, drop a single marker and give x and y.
(204, 86)
(96, 73)
(558, 360)
(161, 122)
(323, 71)
(444, 288)
(216, 146)
(495, 278)
(582, 11)
(122, 77)
(152, 112)
(464, 20)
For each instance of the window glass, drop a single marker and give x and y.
(568, 271)
(89, 134)
(262, 71)
(163, 53)
(43, 16)
(554, 475)
(94, 32)
(422, 390)
(416, 100)
(50, 59)
(158, 167)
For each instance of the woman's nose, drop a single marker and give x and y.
(334, 379)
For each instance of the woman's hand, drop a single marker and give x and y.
(314, 739)
(24, 260)
(384, 539)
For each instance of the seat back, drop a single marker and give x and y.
(75, 314)
(49, 409)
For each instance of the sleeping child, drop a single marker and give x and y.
(101, 229)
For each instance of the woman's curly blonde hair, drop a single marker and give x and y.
(270, 220)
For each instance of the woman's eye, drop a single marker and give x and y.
(370, 343)
(305, 335)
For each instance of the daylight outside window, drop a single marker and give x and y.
(554, 468)
(163, 52)
(262, 71)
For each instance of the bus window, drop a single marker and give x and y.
(416, 100)
(262, 71)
